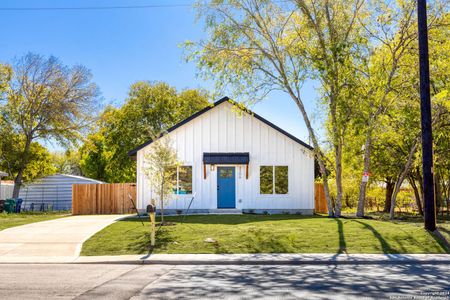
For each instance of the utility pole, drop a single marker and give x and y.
(425, 108)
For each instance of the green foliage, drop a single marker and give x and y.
(44, 100)
(67, 162)
(149, 108)
(5, 77)
(160, 169)
(11, 149)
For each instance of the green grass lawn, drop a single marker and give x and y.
(444, 228)
(11, 220)
(264, 234)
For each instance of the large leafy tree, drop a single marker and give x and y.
(149, 108)
(386, 122)
(45, 100)
(393, 29)
(67, 162)
(40, 161)
(255, 47)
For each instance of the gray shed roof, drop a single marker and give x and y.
(3, 174)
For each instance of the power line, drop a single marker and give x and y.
(95, 7)
(105, 7)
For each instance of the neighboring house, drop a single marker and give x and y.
(234, 160)
(54, 191)
(6, 187)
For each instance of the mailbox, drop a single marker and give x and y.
(151, 208)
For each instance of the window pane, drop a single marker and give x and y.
(281, 180)
(225, 173)
(173, 178)
(266, 179)
(185, 180)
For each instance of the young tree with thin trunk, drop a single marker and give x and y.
(160, 168)
(46, 100)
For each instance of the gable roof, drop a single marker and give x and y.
(217, 103)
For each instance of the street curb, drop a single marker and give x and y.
(247, 259)
(295, 262)
(261, 263)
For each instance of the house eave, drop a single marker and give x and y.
(133, 153)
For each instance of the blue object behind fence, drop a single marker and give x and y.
(18, 205)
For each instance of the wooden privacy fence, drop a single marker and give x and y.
(320, 203)
(105, 198)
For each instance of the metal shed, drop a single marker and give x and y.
(52, 191)
(5, 189)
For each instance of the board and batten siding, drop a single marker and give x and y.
(224, 129)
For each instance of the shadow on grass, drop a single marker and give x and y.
(262, 241)
(342, 242)
(441, 228)
(387, 249)
(141, 244)
(442, 240)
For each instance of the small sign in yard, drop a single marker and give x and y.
(365, 177)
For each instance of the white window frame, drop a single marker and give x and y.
(273, 181)
(177, 186)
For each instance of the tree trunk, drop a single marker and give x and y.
(438, 195)
(17, 183)
(317, 152)
(338, 158)
(347, 202)
(162, 210)
(416, 195)
(19, 176)
(363, 185)
(339, 192)
(401, 178)
(390, 184)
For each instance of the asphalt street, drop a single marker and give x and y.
(121, 281)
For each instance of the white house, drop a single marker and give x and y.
(234, 161)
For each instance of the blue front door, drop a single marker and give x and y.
(226, 187)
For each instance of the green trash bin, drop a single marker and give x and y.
(9, 206)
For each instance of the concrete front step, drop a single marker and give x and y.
(226, 211)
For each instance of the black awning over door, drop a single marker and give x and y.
(226, 158)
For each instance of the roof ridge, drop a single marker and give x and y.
(217, 103)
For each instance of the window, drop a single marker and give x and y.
(273, 179)
(281, 180)
(225, 173)
(183, 179)
(266, 180)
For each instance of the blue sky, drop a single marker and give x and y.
(125, 45)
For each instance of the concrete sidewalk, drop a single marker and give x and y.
(241, 259)
(58, 240)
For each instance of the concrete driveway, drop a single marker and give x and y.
(57, 240)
